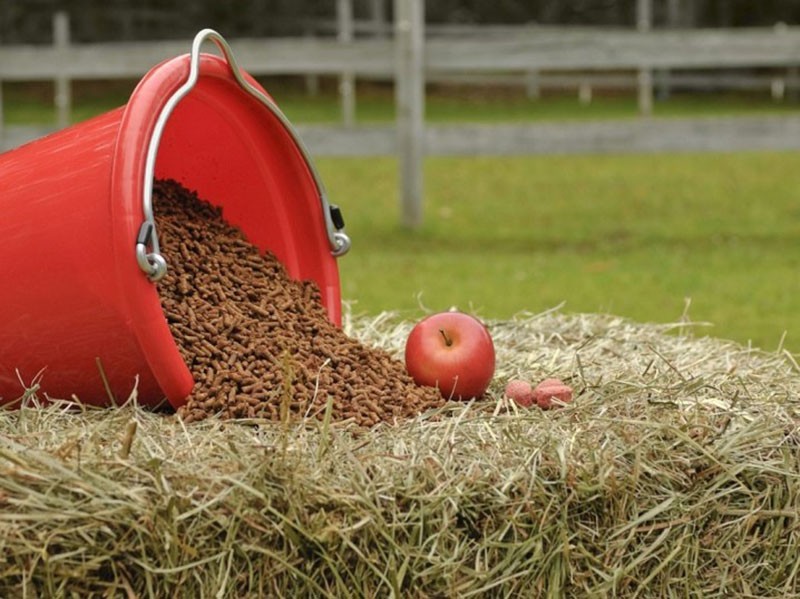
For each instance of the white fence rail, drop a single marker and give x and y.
(409, 57)
(717, 134)
(530, 49)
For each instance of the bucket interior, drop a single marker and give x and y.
(226, 145)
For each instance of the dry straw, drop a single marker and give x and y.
(675, 472)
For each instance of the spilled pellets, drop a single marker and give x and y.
(259, 344)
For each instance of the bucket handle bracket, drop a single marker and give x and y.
(152, 262)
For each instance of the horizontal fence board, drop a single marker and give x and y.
(329, 140)
(567, 49)
(618, 49)
(134, 59)
(308, 55)
(705, 81)
(85, 61)
(14, 136)
(623, 136)
(584, 137)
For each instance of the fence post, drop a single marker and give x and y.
(63, 91)
(644, 23)
(792, 82)
(311, 79)
(781, 85)
(533, 89)
(674, 13)
(673, 18)
(410, 103)
(347, 85)
(2, 120)
(378, 13)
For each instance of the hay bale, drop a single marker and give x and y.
(674, 472)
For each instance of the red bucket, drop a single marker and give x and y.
(80, 253)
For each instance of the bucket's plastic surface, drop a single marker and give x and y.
(75, 306)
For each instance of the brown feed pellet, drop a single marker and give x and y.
(258, 343)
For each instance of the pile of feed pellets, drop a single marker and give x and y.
(258, 343)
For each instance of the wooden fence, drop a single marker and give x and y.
(409, 57)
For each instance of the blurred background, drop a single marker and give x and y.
(634, 157)
(112, 20)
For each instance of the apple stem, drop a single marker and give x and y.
(447, 339)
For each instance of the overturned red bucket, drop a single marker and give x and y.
(80, 310)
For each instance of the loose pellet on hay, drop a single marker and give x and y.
(258, 343)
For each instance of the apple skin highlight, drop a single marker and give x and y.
(452, 351)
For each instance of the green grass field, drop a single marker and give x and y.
(25, 103)
(630, 235)
(453, 106)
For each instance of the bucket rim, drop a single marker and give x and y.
(146, 317)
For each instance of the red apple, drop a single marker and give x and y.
(452, 351)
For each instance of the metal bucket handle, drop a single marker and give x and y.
(152, 262)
